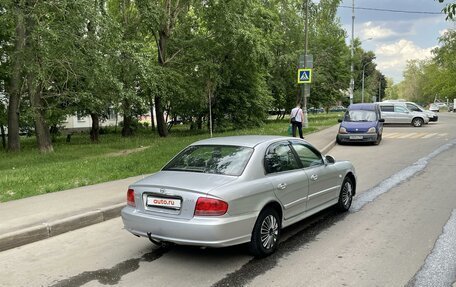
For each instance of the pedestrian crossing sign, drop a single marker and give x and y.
(304, 76)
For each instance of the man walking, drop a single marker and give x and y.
(296, 117)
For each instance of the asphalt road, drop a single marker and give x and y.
(401, 231)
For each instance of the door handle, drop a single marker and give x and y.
(282, 186)
(314, 177)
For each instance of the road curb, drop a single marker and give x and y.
(24, 236)
(49, 229)
(328, 147)
(74, 222)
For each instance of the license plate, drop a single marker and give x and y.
(356, 137)
(171, 203)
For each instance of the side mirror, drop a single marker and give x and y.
(330, 159)
(339, 120)
(381, 120)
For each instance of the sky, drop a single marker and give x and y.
(396, 37)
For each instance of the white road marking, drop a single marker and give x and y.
(412, 135)
(390, 135)
(406, 135)
(429, 135)
(418, 135)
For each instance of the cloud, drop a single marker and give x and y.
(442, 32)
(369, 30)
(392, 58)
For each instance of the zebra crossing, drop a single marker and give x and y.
(413, 135)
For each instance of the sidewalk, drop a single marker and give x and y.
(35, 218)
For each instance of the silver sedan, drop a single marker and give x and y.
(232, 190)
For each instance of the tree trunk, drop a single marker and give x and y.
(95, 130)
(43, 136)
(126, 129)
(161, 124)
(13, 121)
(2, 131)
(54, 131)
(151, 105)
(127, 121)
(14, 92)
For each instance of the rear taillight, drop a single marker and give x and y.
(210, 207)
(131, 197)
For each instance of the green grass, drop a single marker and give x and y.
(81, 163)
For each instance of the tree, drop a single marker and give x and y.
(127, 16)
(411, 87)
(449, 9)
(443, 68)
(161, 19)
(97, 86)
(286, 47)
(243, 31)
(331, 56)
(417, 86)
(46, 61)
(392, 90)
(14, 12)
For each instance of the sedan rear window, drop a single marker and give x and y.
(216, 159)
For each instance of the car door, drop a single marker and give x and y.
(387, 113)
(290, 182)
(324, 184)
(402, 114)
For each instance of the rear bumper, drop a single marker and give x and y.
(357, 137)
(208, 231)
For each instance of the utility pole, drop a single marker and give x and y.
(352, 81)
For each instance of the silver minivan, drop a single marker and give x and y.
(398, 113)
(414, 107)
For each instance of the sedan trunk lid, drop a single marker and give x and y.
(174, 193)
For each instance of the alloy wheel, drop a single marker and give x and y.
(347, 194)
(269, 232)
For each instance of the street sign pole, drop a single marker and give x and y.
(304, 79)
(352, 81)
(306, 87)
(308, 64)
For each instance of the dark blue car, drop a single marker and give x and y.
(361, 123)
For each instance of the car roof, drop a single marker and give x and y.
(365, 106)
(247, 141)
(391, 103)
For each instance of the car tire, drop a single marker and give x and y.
(338, 141)
(417, 122)
(379, 139)
(265, 234)
(346, 195)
